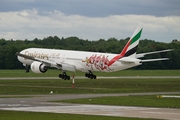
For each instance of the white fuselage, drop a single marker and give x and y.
(83, 61)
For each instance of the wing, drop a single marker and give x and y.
(50, 63)
(148, 53)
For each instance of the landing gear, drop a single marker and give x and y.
(27, 68)
(64, 76)
(90, 75)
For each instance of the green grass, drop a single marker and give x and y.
(55, 73)
(83, 86)
(9, 115)
(143, 101)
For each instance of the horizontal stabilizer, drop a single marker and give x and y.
(150, 60)
(148, 53)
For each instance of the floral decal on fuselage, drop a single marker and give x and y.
(100, 62)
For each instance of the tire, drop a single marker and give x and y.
(86, 75)
(91, 77)
(60, 76)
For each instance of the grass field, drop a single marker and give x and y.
(55, 73)
(83, 86)
(20, 87)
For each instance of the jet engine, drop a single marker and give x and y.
(38, 67)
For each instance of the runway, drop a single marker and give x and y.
(39, 103)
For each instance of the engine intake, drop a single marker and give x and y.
(38, 67)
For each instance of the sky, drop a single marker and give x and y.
(90, 19)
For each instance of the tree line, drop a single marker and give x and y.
(8, 48)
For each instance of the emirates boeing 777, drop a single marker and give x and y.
(40, 59)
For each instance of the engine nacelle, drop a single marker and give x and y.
(38, 67)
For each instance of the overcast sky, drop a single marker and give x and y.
(90, 19)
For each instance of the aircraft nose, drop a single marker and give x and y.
(19, 58)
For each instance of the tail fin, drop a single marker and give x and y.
(132, 45)
(130, 48)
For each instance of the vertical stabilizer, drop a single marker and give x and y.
(131, 47)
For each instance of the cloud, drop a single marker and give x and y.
(30, 24)
(20, 1)
(97, 8)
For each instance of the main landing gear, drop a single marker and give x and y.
(90, 75)
(64, 76)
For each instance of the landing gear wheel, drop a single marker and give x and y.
(60, 76)
(90, 75)
(94, 76)
(64, 76)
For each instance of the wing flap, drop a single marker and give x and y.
(68, 67)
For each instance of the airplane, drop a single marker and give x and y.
(40, 59)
